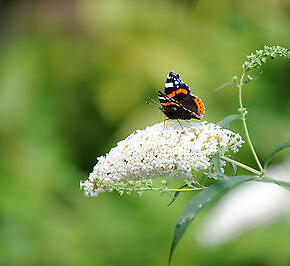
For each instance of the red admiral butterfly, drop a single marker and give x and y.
(177, 101)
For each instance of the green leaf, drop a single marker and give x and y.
(171, 176)
(277, 182)
(225, 123)
(235, 169)
(205, 180)
(176, 194)
(225, 84)
(217, 164)
(200, 201)
(279, 147)
(234, 166)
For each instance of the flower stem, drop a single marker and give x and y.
(171, 189)
(250, 169)
(243, 111)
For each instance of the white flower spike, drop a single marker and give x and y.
(157, 151)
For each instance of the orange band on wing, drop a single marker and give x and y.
(184, 91)
(169, 103)
(200, 105)
(171, 95)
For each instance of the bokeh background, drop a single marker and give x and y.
(74, 79)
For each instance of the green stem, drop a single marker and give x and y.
(171, 189)
(244, 112)
(250, 169)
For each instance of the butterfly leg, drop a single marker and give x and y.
(164, 122)
(179, 123)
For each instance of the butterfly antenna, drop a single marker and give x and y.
(179, 123)
(153, 102)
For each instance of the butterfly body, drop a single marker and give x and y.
(177, 102)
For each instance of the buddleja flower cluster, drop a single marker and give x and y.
(259, 58)
(157, 151)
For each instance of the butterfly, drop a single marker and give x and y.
(177, 102)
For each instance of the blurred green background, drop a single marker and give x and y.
(74, 79)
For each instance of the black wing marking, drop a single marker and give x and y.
(173, 83)
(189, 103)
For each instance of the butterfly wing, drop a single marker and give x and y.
(175, 88)
(174, 109)
(177, 101)
(171, 108)
(194, 105)
(166, 100)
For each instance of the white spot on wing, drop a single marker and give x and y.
(169, 84)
